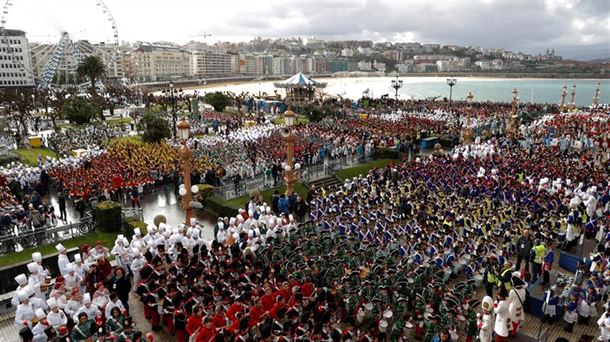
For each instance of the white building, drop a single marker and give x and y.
(364, 66)
(379, 66)
(158, 63)
(15, 54)
(365, 51)
(206, 64)
(347, 52)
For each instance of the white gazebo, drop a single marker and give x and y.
(300, 88)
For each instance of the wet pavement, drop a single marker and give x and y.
(156, 202)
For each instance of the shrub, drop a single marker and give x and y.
(108, 216)
(155, 128)
(131, 223)
(218, 207)
(79, 110)
(217, 100)
(205, 191)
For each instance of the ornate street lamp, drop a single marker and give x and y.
(173, 95)
(186, 190)
(564, 92)
(291, 172)
(572, 105)
(396, 84)
(514, 130)
(451, 82)
(468, 129)
(596, 97)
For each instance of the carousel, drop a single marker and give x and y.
(300, 89)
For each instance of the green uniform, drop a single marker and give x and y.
(114, 324)
(81, 332)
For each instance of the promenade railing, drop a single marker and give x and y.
(28, 237)
(308, 173)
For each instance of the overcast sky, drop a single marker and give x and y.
(575, 28)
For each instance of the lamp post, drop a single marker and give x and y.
(513, 123)
(468, 129)
(573, 94)
(173, 95)
(291, 170)
(596, 97)
(186, 192)
(451, 82)
(396, 84)
(564, 92)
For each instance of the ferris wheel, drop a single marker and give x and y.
(59, 42)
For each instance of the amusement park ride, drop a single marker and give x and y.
(54, 64)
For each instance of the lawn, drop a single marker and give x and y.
(107, 240)
(29, 156)
(362, 169)
(117, 121)
(135, 139)
(299, 120)
(240, 202)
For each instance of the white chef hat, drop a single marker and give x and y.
(221, 225)
(193, 221)
(77, 258)
(21, 279)
(36, 256)
(60, 248)
(136, 232)
(51, 302)
(86, 298)
(33, 267)
(69, 268)
(22, 295)
(40, 313)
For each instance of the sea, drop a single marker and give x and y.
(530, 90)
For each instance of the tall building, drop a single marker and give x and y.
(14, 54)
(151, 63)
(205, 64)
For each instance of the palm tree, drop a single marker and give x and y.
(93, 68)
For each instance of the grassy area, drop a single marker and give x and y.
(118, 121)
(107, 240)
(299, 120)
(136, 139)
(362, 169)
(240, 202)
(29, 156)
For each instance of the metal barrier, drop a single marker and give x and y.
(308, 173)
(36, 237)
(136, 213)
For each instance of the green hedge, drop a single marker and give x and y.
(219, 207)
(8, 157)
(205, 191)
(131, 223)
(385, 153)
(108, 216)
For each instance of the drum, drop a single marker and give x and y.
(446, 275)
(562, 237)
(478, 280)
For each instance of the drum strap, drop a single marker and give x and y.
(519, 297)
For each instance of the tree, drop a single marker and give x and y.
(18, 103)
(92, 68)
(79, 110)
(314, 113)
(55, 100)
(238, 99)
(217, 100)
(155, 128)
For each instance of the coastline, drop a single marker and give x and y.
(472, 76)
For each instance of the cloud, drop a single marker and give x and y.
(573, 27)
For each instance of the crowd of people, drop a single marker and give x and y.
(399, 253)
